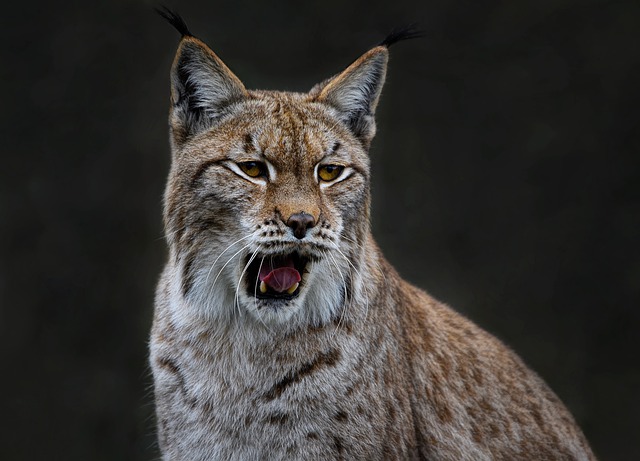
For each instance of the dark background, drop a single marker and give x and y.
(506, 183)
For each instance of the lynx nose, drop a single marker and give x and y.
(300, 222)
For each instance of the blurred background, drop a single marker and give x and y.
(506, 183)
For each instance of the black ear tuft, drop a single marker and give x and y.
(174, 19)
(402, 33)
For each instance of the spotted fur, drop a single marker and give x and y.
(359, 364)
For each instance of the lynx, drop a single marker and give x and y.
(280, 331)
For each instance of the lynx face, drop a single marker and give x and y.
(267, 193)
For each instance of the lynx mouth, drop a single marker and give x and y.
(276, 276)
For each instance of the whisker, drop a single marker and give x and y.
(344, 283)
(255, 286)
(361, 246)
(364, 289)
(237, 297)
(225, 264)
(223, 252)
(347, 259)
(255, 297)
(260, 313)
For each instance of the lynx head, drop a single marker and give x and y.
(267, 203)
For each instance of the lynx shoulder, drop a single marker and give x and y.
(280, 331)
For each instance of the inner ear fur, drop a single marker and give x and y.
(355, 92)
(202, 88)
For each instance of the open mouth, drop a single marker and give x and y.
(276, 276)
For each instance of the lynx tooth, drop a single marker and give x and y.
(293, 288)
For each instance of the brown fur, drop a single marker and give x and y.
(359, 364)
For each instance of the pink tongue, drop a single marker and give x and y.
(279, 275)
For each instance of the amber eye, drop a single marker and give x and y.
(253, 169)
(329, 172)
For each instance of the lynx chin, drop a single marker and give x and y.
(280, 331)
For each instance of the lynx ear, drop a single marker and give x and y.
(355, 92)
(202, 88)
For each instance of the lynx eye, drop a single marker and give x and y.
(329, 172)
(253, 169)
